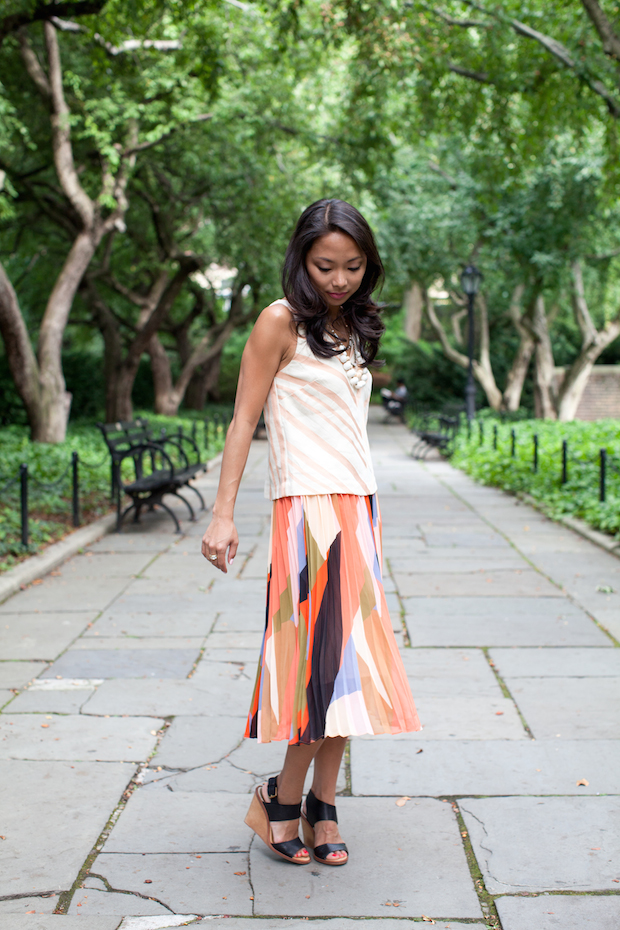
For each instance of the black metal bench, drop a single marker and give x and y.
(433, 431)
(161, 465)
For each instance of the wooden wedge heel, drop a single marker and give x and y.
(261, 815)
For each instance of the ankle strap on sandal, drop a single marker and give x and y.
(319, 810)
(277, 811)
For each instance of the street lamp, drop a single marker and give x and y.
(470, 282)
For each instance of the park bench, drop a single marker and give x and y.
(433, 431)
(160, 465)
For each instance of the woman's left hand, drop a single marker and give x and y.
(221, 537)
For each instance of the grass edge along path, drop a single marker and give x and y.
(558, 465)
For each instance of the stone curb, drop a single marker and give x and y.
(54, 555)
(602, 540)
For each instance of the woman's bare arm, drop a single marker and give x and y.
(271, 346)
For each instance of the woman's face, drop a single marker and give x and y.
(336, 266)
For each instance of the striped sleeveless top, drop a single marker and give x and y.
(316, 423)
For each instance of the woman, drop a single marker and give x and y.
(329, 665)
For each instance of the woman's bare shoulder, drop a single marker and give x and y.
(275, 321)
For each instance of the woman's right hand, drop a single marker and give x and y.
(220, 540)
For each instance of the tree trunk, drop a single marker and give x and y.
(592, 345)
(165, 403)
(544, 366)
(518, 370)
(414, 306)
(22, 362)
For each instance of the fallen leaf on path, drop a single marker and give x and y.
(240, 873)
(418, 751)
(429, 920)
(148, 881)
(499, 713)
(584, 782)
(45, 725)
(402, 801)
(38, 581)
(595, 848)
(31, 912)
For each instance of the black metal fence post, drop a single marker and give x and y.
(23, 486)
(564, 461)
(602, 474)
(513, 440)
(535, 458)
(206, 436)
(495, 436)
(480, 432)
(75, 488)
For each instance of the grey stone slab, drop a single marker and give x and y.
(5, 696)
(172, 623)
(53, 806)
(30, 906)
(190, 742)
(185, 884)
(443, 768)
(429, 562)
(15, 674)
(40, 636)
(489, 621)
(463, 716)
(181, 822)
(92, 739)
(560, 912)
(566, 662)
(50, 702)
(97, 565)
(193, 643)
(247, 657)
(481, 539)
(548, 844)
(422, 867)
(65, 594)
(514, 583)
(610, 621)
(89, 901)
(143, 541)
(208, 779)
(248, 619)
(169, 602)
(573, 708)
(450, 672)
(169, 697)
(327, 923)
(124, 663)
(239, 639)
(57, 922)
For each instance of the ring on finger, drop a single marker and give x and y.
(213, 558)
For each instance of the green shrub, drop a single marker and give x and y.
(579, 495)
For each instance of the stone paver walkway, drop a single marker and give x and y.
(126, 676)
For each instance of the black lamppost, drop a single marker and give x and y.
(470, 282)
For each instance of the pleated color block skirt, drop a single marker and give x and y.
(329, 662)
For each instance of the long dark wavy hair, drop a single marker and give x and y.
(360, 313)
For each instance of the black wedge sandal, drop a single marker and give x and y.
(261, 815)
(318, 810)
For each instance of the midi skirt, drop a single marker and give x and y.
(329, 663)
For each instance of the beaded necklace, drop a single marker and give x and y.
(351, 362)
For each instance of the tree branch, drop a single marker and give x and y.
(44, 10)
(33, 65)
(580, 305)
(556, 49)
(480, 76)
(61, 134)
(611, 42)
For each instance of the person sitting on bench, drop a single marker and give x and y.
(394, 401)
